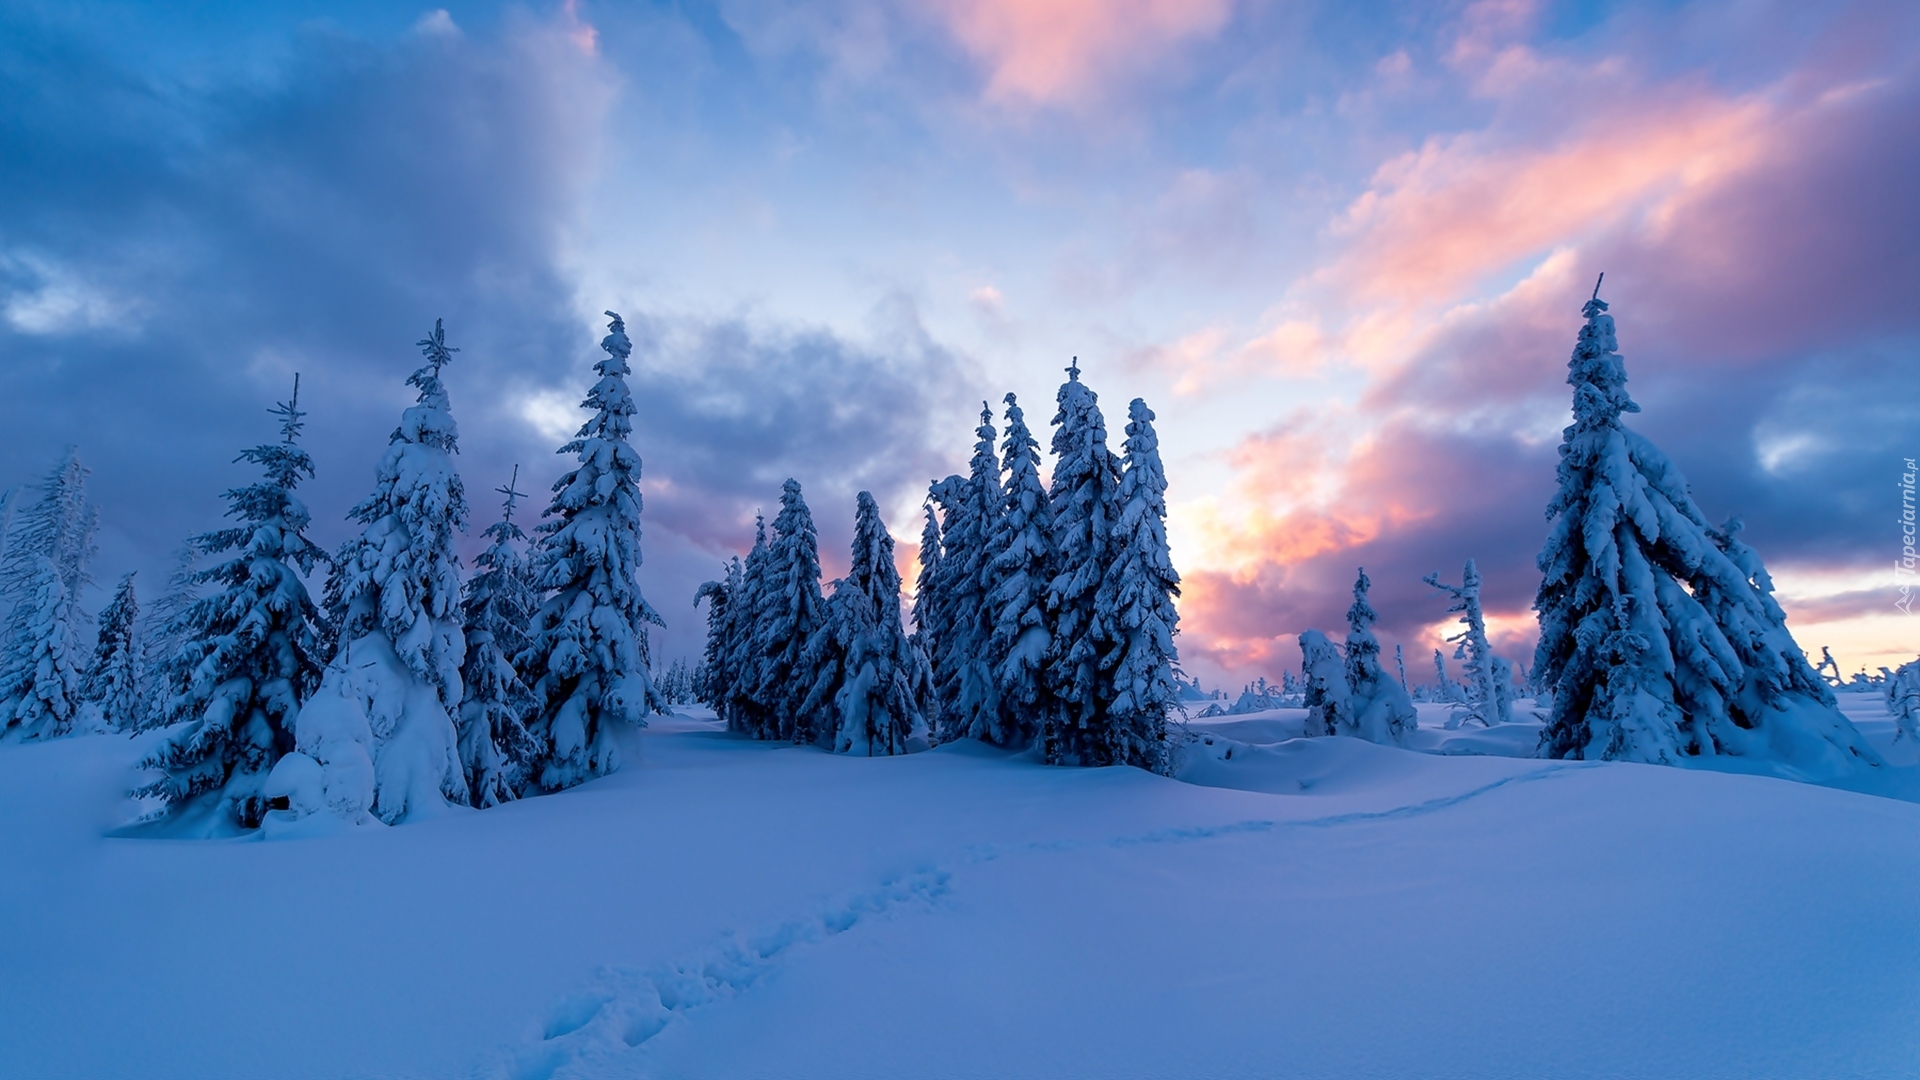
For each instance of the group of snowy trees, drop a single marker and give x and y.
(1043, 613)
(1046, 611)
(786, 661)
(1043, 616)
(403, 689)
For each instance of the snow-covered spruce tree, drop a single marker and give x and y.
(587, 657)
(752, 604)
(1328, 701)
(927, 616)
(497, 604)
(1484, 700)
(250, 646)
(714, 682)
(963, 669)
(1137, 593)
(1379, 708)
(393, 686)
(1023, 559)
(823, 663)
(56, 528)
(112, 686)
(875, 703)
(1658, 638)
(46, 700)
(1084, 501)
(935, 602)
(794, 611)
(167, 666)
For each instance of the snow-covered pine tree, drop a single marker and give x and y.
(751, 604)
(1658, 637)
(1023, 560)
(167, 666)
(112, 686)
(497, 604)
(794, 610)
(1137, 595)
(46, 701)
(968, 576)
(714, 682)
(927, 616)
(823, 663)
(1379, 708)
(1484, 701)
(1328, 701)
(875, 702)
(250, 646)
(1084, 501)
(393, 685)
(588, 658)
(939, 586)
(57, 527)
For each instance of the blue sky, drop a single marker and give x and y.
(1339, 248)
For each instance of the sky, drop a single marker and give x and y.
(1340, 249)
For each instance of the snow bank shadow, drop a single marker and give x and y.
(626, 1007)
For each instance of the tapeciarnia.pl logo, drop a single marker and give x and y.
(1903, 566)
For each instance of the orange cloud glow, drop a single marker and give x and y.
(1437, 220)
(1051, 52)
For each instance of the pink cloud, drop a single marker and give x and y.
(1435, 222)
(1744, 236)
(1053, 52)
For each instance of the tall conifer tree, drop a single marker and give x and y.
(1023, 560)
(1137, 597)
(251, 647)
(1084, 501)
(393, 686)
(1659, 637)
(112, 689)
(496, 606)
(588, 661)
(794, 610)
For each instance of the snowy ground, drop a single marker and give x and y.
(1311, 908)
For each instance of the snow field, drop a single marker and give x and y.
(728, 908)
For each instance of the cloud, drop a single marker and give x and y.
(1439, 220)
(1066, 52)
(734, 408)
(161, 281)
(1756, 263)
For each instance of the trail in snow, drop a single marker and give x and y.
(598, 1031)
